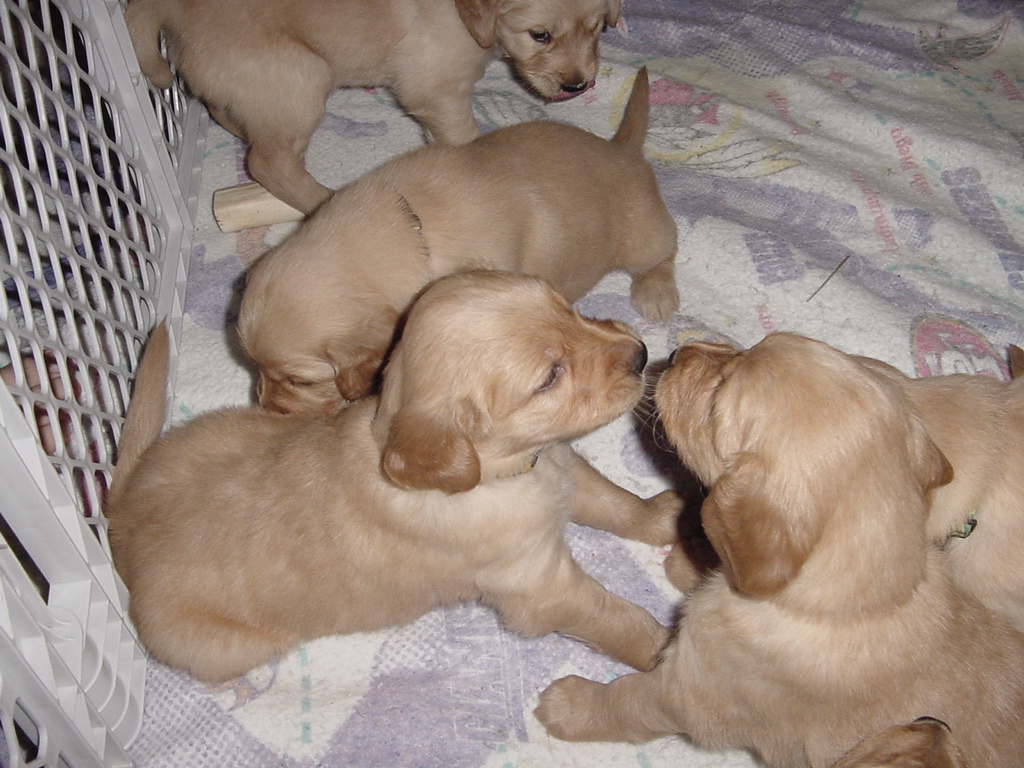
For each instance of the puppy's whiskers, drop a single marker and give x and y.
(646, 412)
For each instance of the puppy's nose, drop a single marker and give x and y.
(640, 361)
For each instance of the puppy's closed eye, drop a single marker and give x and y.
(553, 376)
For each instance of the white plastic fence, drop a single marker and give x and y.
(97, 180)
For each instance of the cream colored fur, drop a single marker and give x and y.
(318, 312)
(266, 67)
(833, 616)
(244, 533)
(978, 424)
(924, 743)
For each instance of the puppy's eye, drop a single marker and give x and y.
(300, 382)
(541, 36)
(552, 378)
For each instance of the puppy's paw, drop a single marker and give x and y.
(681, 571)
(655, 294)
(661, 524)
(568, 709)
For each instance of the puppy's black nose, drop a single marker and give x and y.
(574, 87)
(640, 361)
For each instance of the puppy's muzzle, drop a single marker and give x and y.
(572, 90)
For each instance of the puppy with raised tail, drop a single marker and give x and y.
(265, 68)
(833, 616)
(245, 532)
(542, 198)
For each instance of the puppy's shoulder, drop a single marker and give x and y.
(538, 497)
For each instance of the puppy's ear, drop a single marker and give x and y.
(481, 19)
(931, 465)
(762, 545)
(925, 743)
(358, 355)
(428, 452)
(357, 378)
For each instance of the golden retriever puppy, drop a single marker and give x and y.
(924, 743)
(978, 424)
(245, 532)
(265, 68)
(832, 615)
(318, 313)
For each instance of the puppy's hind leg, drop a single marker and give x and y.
(654, 293)
(279, 131)
(652, 254)
(278, 163)
(226, 121)
(211, 647)
(444, 110)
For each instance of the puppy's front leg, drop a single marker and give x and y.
(600, 503)
(630, 708)
(568, 601)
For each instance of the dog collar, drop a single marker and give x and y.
(965, 530)
(530, 464)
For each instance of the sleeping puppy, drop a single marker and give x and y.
(978, 424)
(265, 68)
(924, 743)
(318, 313)
(245, 532)
(832, 617)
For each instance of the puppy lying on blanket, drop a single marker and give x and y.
(318, 313)
(978, 424)
(245, 532)
(833, 616)
(265, 68)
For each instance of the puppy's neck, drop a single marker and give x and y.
(966, 528)
(514, 466)
(862, 570)
(528, 466)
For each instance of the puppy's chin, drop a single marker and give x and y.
(566, 95)
(551, 88)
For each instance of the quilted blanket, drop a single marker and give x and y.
(849, 169)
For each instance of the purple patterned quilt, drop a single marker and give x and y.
(848, 169)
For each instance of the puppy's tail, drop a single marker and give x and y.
(633, 129)
(147, 410)
(145, 19)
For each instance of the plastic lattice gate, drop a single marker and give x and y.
(98, 173)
